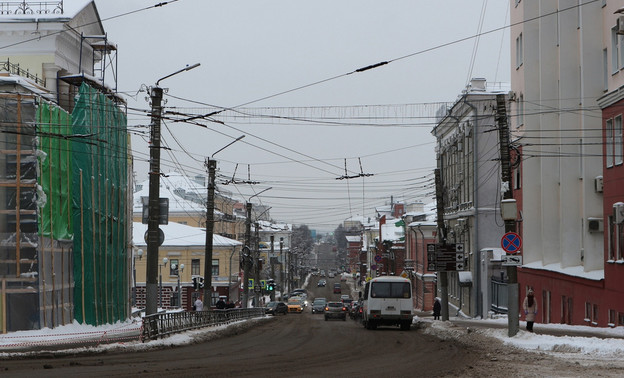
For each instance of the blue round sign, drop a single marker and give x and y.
(378, 258)
(511, 242)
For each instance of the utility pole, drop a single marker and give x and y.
(153, 232)
(272, 261)
(247, 256)
(442, 239)
(257, 286)
(513, 321)
(282, 267)
(210, 205)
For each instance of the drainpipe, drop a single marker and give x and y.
(475, 201)
(415, 256)
(422, 240)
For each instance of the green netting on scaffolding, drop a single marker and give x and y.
(54, 126)
(99, 203)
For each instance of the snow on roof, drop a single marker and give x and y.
(353, 238)
(465, 276)
(575, 271)
(422, 223)
(497, 253)
(184, 194)
(269, 226)
(27, 84)
(391, 232)
(181, 235)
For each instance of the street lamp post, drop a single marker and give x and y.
(211, 164)
(164, 263)
(153, 232)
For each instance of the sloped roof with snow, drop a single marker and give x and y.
(392, 232)
(185, 195)
(180, 235)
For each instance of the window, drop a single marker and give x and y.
(595, 318)
(173, 263)
(615, 53)
(609, 142)
(195, 270)
(605, 70)
(390, 290)
(517, 179)
(519, 58)
(520, 110)
(617, 142)
(612, 238)
(588, 310)
(621, 319)
(215, 267)
(612, 318)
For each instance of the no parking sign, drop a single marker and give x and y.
(511, 243)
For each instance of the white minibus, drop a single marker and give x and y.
(387, 300)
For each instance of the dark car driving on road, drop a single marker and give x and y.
(337, 288)
(335, 310)
(275, 308)
(318, 306)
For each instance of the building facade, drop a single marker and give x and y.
(564, 60)
(468, 158)
(65, 192)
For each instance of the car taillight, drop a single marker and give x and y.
(360, 310)
(344, 309)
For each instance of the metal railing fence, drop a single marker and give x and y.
(160, 325)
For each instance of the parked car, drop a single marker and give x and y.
(318, 306)
(275, 308)
(335, 310)
(321, 283)
(337, 288)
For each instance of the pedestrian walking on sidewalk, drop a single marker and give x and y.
(199, 305)
(437, 308)
(530, 309)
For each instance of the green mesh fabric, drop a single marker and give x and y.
(99, 200)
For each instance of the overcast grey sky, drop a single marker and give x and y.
(297, 142)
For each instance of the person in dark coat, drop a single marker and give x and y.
(220, 304)
(437, 308)
(229, 304)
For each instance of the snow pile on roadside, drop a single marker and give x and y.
(589, 347)
(596, 347)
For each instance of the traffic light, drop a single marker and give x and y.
(270, 285)
(198, 282)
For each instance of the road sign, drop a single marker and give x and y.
(377, 258)
(250, 283)
(511, 242)
(445, 258)
(263, 283)
(511, 260)
(374, 267)
(161, 236)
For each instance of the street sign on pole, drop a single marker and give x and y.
(445, 258)
(511, 260)
(511, 242)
